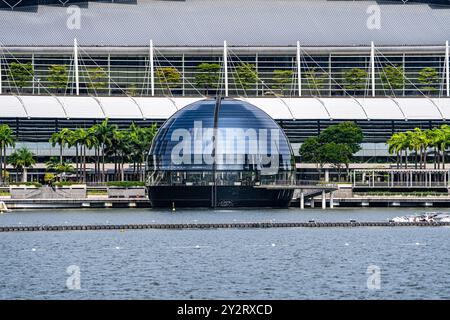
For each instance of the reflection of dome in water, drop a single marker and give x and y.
(211, 153)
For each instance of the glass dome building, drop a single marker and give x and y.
(220, 153)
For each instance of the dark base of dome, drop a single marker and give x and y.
(227, 196)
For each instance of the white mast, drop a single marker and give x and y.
(1, 72)
(372, 65)
(299, 70)
(75, 64)
(225, 67)
(447, 68)
(152, 69)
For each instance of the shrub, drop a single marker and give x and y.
(65, 183)
(125, 184)
(34, 184)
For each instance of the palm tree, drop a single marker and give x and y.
(6, 140)
(424, 142)
(73, 142)
(124, 150)
(104, 133)
(61, 138)
(22, 159)
(394, 147)
(435, 138)
(113, 149)
(444, 142)
(86, 139)
(60, 168)
(415, 143)
(141, 140)
(52, 163)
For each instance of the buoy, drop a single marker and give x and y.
(197, 247)
(34, 249)
(117, 248)
(273, 244)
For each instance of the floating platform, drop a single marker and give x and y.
(246, 225)
(77, 203)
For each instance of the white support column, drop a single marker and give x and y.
(75, 65)
(299, 69)
(331, 199)
(152, 69)
(1, 84)
(447, 68)
(302, 199)
(372, 66)
(373, 178)
(183, 72)
(257, 72)
(225, 67)
(109, 74)
(34, 78)
(324, 200)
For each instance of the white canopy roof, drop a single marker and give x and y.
(72, 107)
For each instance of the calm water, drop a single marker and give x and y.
(283, 263)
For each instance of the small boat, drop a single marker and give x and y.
(3, 207)
(424, 217)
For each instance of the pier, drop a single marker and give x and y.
(242, 225)
(306, 191)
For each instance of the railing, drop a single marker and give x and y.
(122, 75)
(302, 183)
(401, 184)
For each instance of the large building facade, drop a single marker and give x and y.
(308, 64)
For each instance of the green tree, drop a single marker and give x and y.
(337, 154)
(58, 77)
(311, 153)
(49, 177)
(22, 159)
(428, 78)
(6, 140)
(132, 90)
(169, 77)
(207, 76)
(282, 79)
(355, 79)
(245, 75)
(347, 132)
(393, 77)
(314, 80)
(334, 145)
(20, 74)
(96, 78)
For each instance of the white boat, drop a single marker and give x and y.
(3, 207)
(424, 217)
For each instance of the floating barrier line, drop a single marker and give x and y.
(246, 225)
